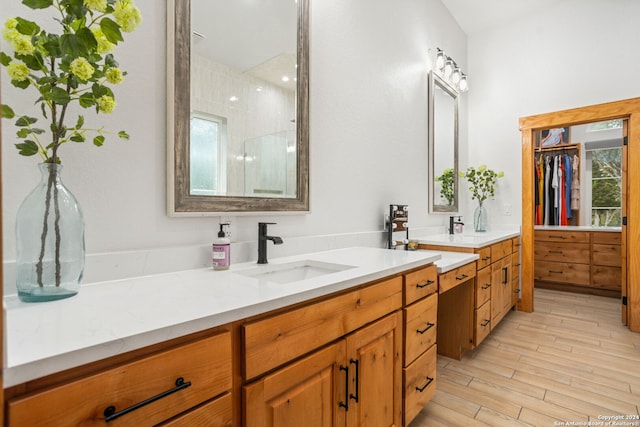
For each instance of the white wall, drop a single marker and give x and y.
(368, 104)
(577, 53)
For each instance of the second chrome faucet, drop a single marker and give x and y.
(262, 241)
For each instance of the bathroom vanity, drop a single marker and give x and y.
(345, 334)
(487, 299)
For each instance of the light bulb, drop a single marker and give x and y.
(463, 85)
(455, 77)
(448, 69)
(440, 60)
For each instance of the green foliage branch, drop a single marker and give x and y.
(74, 66)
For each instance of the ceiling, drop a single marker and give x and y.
(475, 16)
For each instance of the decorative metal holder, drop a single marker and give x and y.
(398, 223)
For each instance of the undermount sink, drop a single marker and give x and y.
(293, 271)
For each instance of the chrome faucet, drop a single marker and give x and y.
(262, 241)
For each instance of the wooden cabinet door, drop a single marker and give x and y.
(500, 289)
(375, 368)
(310, 392)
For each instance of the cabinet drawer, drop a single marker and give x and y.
(483, 286)
(217, 413)
(420, 283)
(419, 383)
(613, 238)
(484, 257)
(515, 244)
(604, 254)
(562, 236)
(560, 272)
(456, 277)
(562, 252)
(500, 250)
(270, 342)
(606, 277)
(206, 364)
(515, 265)
(483, 323)
(420, 327)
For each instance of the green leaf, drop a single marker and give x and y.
(37, 131)
(86, 100)
(76, 137)
(98, 141)
(27, 148)
(22, 85)
(34, 62)
(28, 28)
(25, 121)
(4, 59)
(80, 122)
(37, 4)
(23, 133)
(7, 112)
(52, 45)
(122, 134)
(59, 96)
(110, 61)
(111, 30)
(87, 37)
(72, 45)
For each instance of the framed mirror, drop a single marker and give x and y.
(237, 107)
(443, 146)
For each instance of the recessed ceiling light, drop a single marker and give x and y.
(233, 98)
(285, 78)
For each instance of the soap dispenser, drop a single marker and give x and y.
(221, 258)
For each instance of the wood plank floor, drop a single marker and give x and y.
(570, 361)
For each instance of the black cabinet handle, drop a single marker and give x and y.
(555, 271)
(429, 381)
(486, 286)
(462, 277)
(485, 323)
(355, 396)
(557, 237)
(505, 277)
(425, 284)
(345, 405)
(486, 258)
(110, 413)
(429, 326)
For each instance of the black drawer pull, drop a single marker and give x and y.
(110, 413)
(485, 323)
(355, 396)
(555, 271)
(464, 276)
(429, 381)
(487, 286)
(486, 258)
(346, 386)
(557, 237)
(429, 326)
(554, 252)
(425, 284)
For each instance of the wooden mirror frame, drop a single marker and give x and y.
(179, 200)
(626, 109)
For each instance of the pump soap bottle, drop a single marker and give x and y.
(221, 257)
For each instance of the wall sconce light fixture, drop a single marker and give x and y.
(450, 72)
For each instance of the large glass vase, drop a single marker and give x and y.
(49, 240)
(480, 218)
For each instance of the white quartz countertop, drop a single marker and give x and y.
(110, 318)
(576, 228)
(452, 260)
(467, 240)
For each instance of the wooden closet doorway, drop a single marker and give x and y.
(627, 109)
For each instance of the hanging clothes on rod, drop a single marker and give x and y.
(557, 187)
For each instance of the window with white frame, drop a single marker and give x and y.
(604, 167)
(207, 155)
